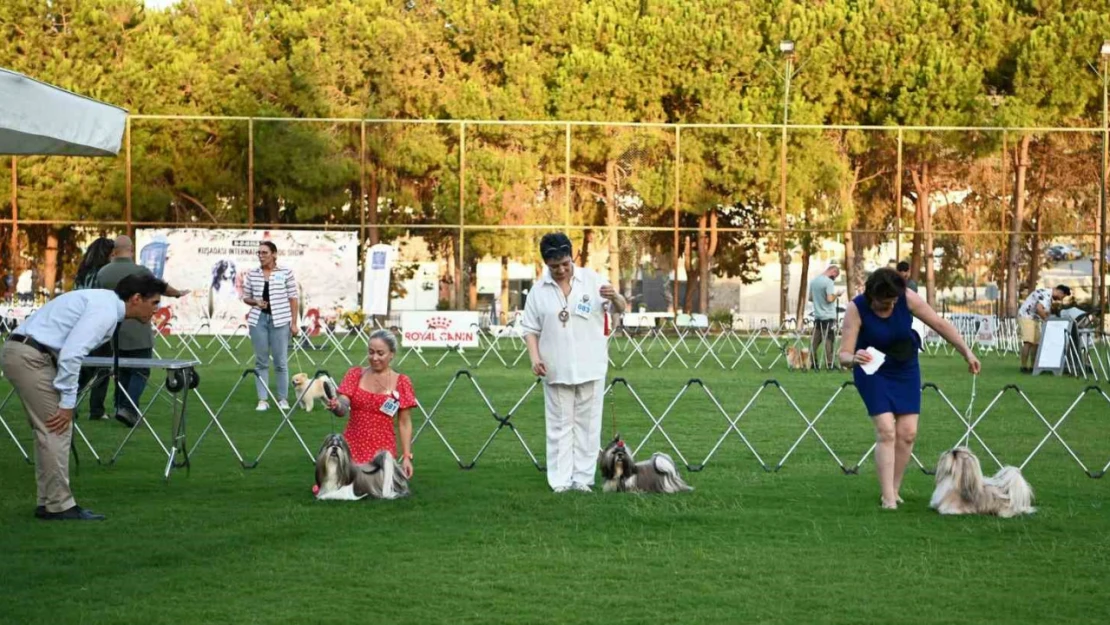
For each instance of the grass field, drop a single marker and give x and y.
(805, 544)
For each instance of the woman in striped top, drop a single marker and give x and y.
(271, 292)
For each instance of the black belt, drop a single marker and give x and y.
(30, 342)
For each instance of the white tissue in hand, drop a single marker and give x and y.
(877, 360)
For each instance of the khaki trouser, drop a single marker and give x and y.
(32, 374)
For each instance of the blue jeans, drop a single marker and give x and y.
(133, 381)
(270, 342)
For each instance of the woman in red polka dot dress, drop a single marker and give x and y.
(376, 397)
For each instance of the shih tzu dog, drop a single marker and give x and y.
(962, 489)
(623, 474)
(337, 477)
(319, 388)
(797, 358)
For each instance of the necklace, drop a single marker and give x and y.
(564, 316)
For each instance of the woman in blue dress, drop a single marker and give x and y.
(882, 318)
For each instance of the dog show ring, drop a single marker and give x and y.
(181, 377)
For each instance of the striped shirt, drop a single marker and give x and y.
(283, 287)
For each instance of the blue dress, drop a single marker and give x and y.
(896, 386)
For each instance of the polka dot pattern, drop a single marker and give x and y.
(369, 430)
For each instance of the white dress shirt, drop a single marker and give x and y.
(579, 352)
(73, 325)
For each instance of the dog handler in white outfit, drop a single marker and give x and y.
(564, 325)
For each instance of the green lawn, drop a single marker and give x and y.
(805, 544)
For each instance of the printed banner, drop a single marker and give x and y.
(986, 335)
(213, 264)
(375, 283)
(440, 329)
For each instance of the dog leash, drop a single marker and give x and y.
(970, 412)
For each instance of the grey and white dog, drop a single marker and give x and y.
(622, 473)
(337, 477)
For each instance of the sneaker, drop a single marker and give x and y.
(262, 407)
(582, 488)
(283, 405)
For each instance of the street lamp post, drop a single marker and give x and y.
(787, 50)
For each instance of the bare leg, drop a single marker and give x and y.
(885, 457)
(905, 427)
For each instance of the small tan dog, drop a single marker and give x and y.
(798, 358)
(317, 389)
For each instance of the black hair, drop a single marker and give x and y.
(270, 244)
(97, 254)
(903, 266)
(555, 246)
(1065, 289)
(145, 285)
(885, 283)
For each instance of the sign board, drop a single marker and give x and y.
(212, 264)
(985, 335)
(376, 274)
(444, 328)
(1051, 353)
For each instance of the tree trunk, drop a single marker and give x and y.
(373, 192)
(918, 227)
(691, 277)
(1013, 259)
(50, 262)
(504, 305)
(1035, 252)
(923, 225)
(472, 285)
(703, 264)
(584, 253)
(612, 219)
(454, 272)
(803, 283)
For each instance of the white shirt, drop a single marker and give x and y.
(283, 287)
(1028, 308)
(73, 325)
(578, 352)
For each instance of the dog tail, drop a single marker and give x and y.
(666, 467)
(1014, 487)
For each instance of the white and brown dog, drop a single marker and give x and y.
(309, 391)
(337, 477)
(798, 358)
(962, 489)
(622, 473)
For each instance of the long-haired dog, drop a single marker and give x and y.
(337, 477)
(797, 358)
(622, 473)
(962, 489)
(309, 390)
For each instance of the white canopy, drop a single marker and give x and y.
(37, 118)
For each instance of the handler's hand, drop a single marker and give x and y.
(406, 464)
(973, 364)
(539, 368)
(608, 292)
(862, 357)
(294, 330)
(59, 423)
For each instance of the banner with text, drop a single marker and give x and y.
(439, 329)
(212, 265)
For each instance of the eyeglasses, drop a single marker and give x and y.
(554, 249)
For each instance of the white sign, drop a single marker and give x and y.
(986, 336)
(212, 265)
(375, 283)
(439, 329)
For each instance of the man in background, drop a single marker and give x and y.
(904, 271)
(136, 337)
(1032, 313)
(823, 294)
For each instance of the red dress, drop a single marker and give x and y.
(369, 430)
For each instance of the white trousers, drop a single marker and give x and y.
(573, 417)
